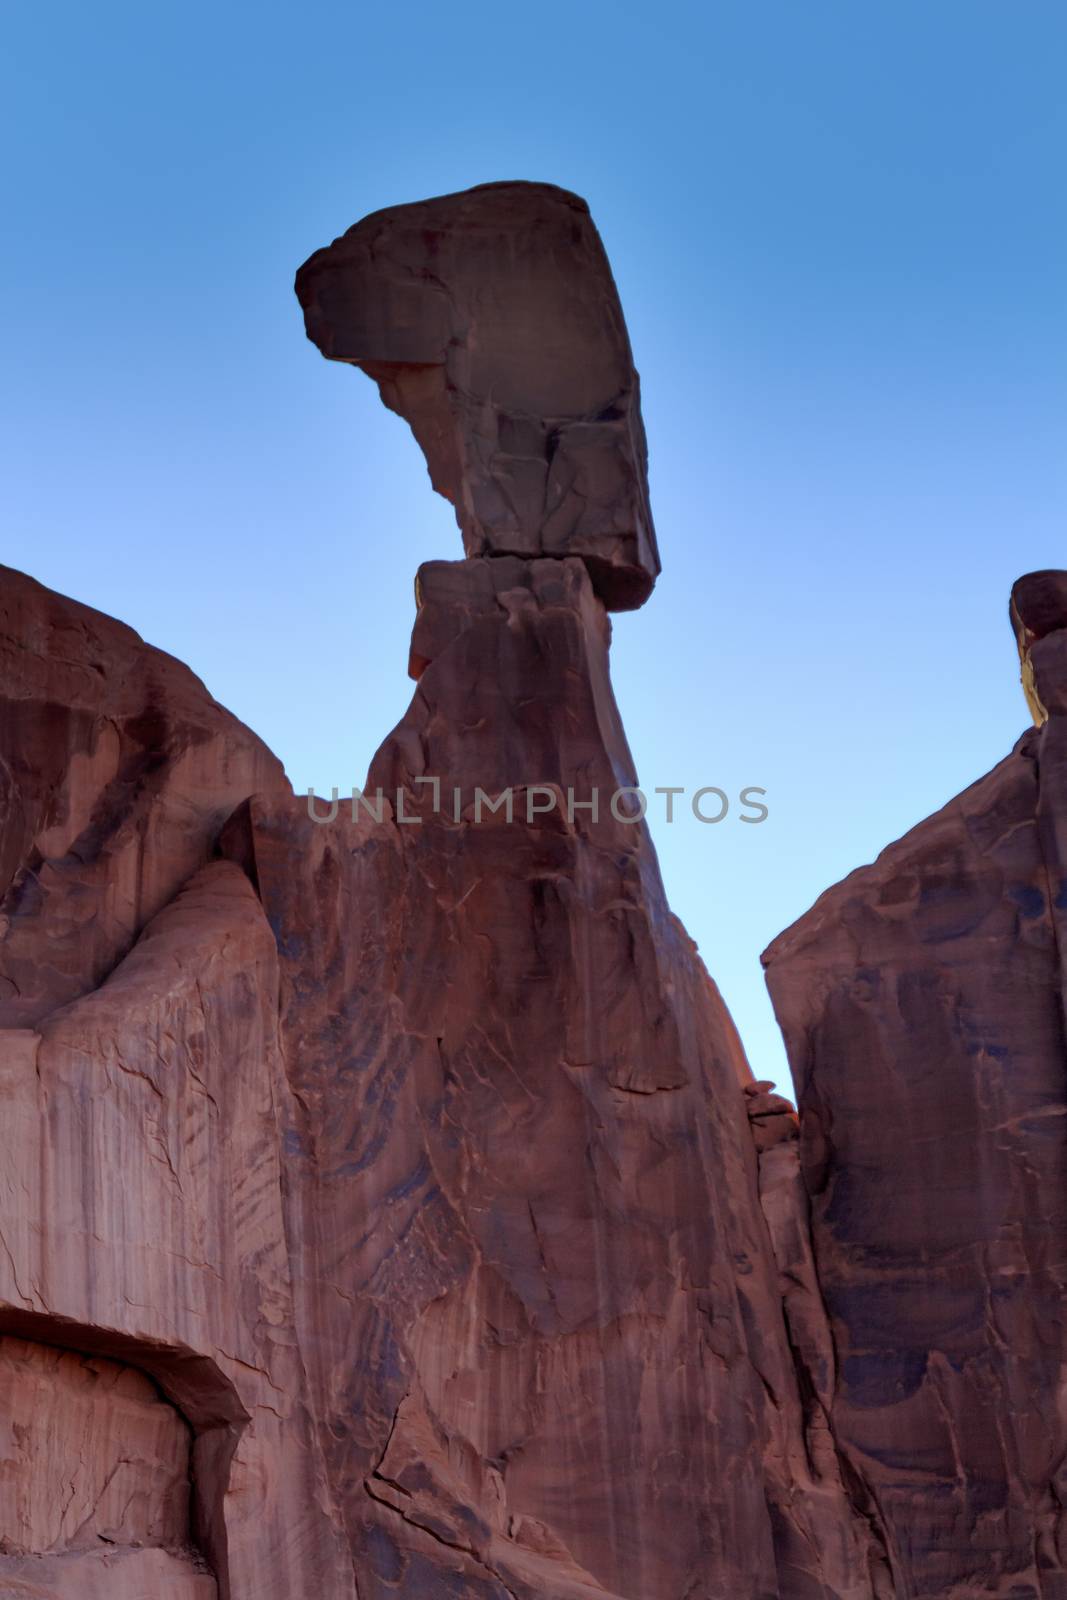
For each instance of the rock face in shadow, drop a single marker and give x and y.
(491, 322)
(922, 1001)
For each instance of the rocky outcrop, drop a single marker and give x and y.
(491, 322)
(922, 1004)
(141, 1148)
(401, 1166)
(551, 1354)
(554, 1359)
(144, 1116)
(387, 1209)
(117, 769)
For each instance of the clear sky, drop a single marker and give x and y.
(839, 235)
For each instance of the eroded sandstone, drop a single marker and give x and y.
(553, 1356)
(117, 769)
(142, 1217)
(922, 1005)
(491, 322)
(91, 1451)
(411, 1164)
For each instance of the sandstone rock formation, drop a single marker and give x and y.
(387, 1208)
(141, 1208)
(386, 1222)
(922, 1001)
(117, 771)
(491, 323)
(554, 1358)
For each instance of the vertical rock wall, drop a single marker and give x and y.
(922, 1005)
(408, 1162)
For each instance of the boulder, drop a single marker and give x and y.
(491, 323)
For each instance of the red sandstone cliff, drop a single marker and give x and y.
(922, 1001)
(392, 1190)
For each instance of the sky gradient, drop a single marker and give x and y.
(839, 235)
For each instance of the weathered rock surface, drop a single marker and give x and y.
(406, 1166)
(922, 1001)
(144, 1113)
(551, 1357)
(141, 1152)
(90, 1451)
(491, 322)
(387, 1209)
(117, 769)
(95, 1477)
(106, 1574)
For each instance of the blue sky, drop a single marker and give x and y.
(839, 235)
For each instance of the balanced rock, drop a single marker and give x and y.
(491, 322)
